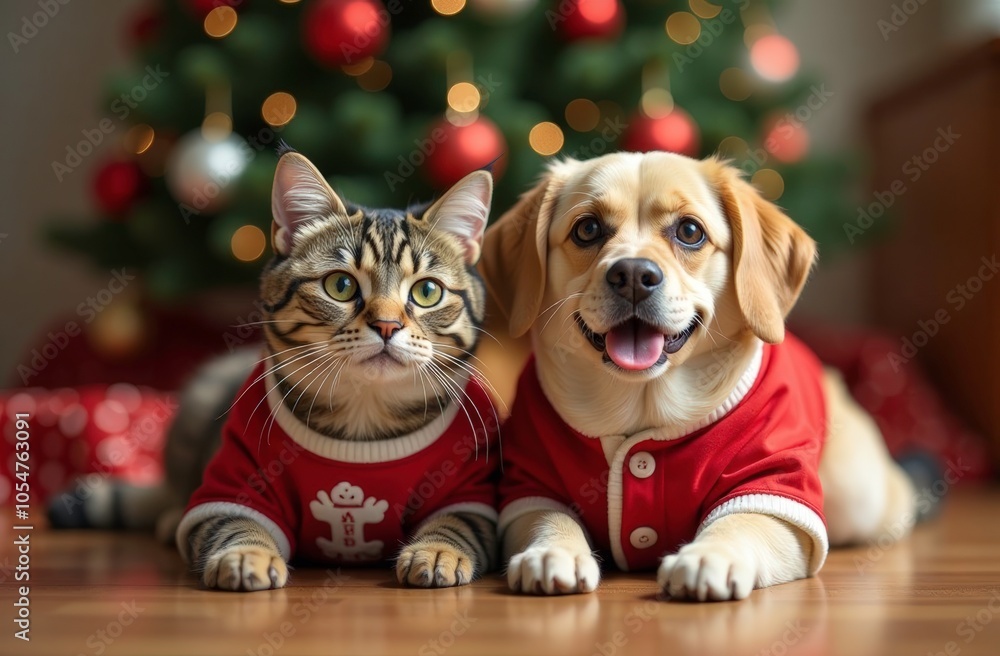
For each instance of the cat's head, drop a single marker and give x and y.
(381, 294)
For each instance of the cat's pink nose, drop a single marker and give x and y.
(386, 328)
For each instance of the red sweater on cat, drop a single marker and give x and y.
(330, 500)
(645, 495)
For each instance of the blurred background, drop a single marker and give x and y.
(140, 150)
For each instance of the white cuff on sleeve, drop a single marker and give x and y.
(204, 511)
(795, 513)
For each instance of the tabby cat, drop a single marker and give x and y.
(367, 424)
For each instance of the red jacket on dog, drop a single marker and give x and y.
(643, 496)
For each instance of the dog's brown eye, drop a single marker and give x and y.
(587, 230)
(689, 233)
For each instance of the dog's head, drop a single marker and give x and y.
(651, 257)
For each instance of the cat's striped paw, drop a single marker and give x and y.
(245, 569)
(434, 565)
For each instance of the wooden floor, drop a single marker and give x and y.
(99, 593)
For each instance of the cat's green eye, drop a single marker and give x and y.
(427, 292)
(341, 286)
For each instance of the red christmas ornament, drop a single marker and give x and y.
(118, 185)
(676, 132)
(787, 140)
(454, 151)
(144, 27)
(591, 19)
(340, 32)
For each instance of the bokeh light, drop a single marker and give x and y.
(775, 58)
(278, 109)
(546, 138)
(705, 9)
(377, 77)
(683, 27)
(735, 84)
(360, 68)
(139, 138)
(787, 140)
(216, 125)
(220, 21)
(769, 182)
(248, 243)
(448, 7)
(582, 115)
(733, 147)
(464, 97)
(656, 102)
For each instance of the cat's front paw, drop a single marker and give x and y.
(433, 565)
(246, 569)
(553, 570)
(706, 572)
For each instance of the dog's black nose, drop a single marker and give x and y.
(634, 278)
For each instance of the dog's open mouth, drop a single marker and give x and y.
(635, 345)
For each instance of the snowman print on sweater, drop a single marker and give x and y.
(347, 511)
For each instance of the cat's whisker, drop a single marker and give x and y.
(272, 369)
(482, 420)
(278, 381)
(450, 389)
(478, 375)
(273, 415)
(334, 360)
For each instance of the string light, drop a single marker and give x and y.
(248, 243)
(278, 109)
(775, 58)
(377, 77)
(546, 138)
(735, 84)
(464, 97)
(139, 138)
(656, 102)
(683, 28)
(582, 115)
(769, 182)
(705, 9)
(220, 21)
(448, 7)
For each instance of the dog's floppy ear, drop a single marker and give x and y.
(772, 255)
(515, 254)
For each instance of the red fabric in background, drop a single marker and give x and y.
(907, 408)
(101, 430)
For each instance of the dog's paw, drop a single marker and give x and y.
(245, 568)
(553, 570)
(433, 565)
(706, 572)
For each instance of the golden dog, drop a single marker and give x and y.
(654, 289)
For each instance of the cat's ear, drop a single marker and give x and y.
(300, 194)
(463, 211)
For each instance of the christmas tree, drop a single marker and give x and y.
(396, 100)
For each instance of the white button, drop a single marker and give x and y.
(643, 537)
(642, 464)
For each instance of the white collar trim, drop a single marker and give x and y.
(355, 451)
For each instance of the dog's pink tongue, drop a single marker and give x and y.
(634, 345)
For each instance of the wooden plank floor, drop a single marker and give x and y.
(100, 593)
